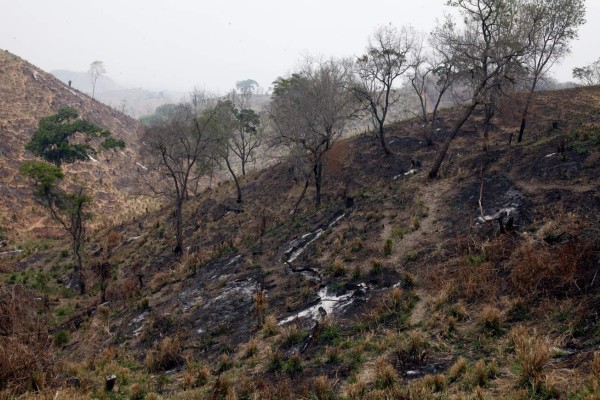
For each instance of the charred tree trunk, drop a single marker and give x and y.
(318, 172)
(295, 209)
(525, 112)
(179, 226)
(382, 139)
(442, 153)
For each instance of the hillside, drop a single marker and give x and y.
(481, 284)
(26, 95)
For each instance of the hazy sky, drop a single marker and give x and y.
(179, 44)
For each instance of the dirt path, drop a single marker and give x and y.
(428, 233)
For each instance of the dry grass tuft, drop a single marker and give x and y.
(491, 319)
(385, 374)
(533, 353)
(323, 388)
(165, 355)
(457, 369)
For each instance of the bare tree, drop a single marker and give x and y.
(96, 70)
(588, 75)
(385, 61)
(555, 24)
(488, 49)
(179, 145)
(433, 72)
(310, 110)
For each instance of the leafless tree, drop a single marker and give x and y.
(96, 70)
(588, 75)
(310, 109)
(488, 50)
(555, 24)
(386, 59)
(433, 72)
(179, 145)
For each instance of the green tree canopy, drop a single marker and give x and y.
(55, 141)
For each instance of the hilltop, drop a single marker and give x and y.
(26, 95)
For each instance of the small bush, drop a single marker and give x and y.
(293, 365)
(274, 361)
(61, 337)
(388, 247)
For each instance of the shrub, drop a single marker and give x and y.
(388, 247)
(275, 361)
(293, 365)
(61, 337)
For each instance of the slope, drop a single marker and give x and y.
(28, 94)
(481, 284)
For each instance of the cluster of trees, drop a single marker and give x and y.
(500, 46)
(64, 138)
(192, 139)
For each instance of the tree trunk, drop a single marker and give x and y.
(318, 171)
(524, 115)
(442, 153)
(235, 179)
(489, 114)
(295, 209)
(179, 226)
(79, 266)
(382, 139)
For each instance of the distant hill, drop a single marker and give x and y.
(134, 102)
(26, 95)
